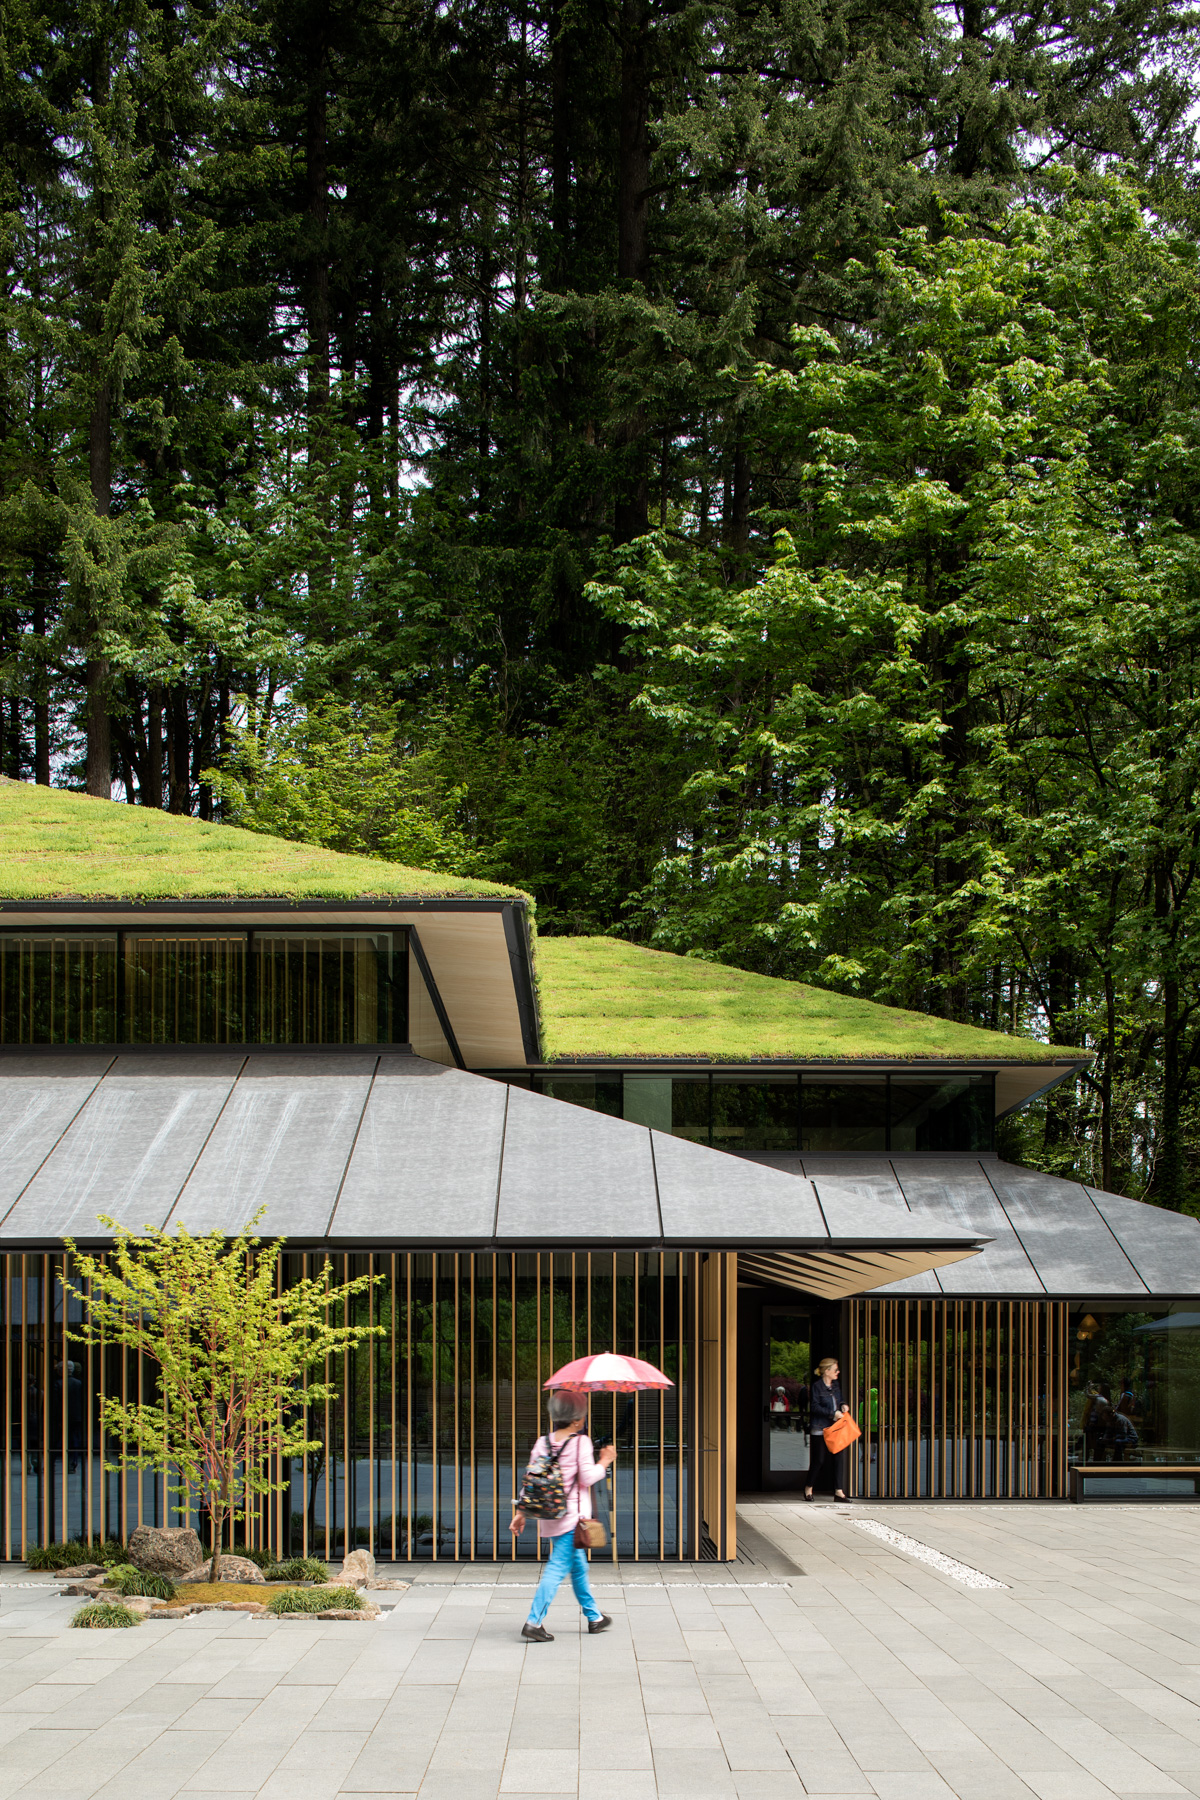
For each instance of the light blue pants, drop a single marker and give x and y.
(564, 1559)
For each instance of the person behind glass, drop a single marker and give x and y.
(825, 1405)
(580, 1472)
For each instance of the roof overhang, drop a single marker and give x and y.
(478, 950)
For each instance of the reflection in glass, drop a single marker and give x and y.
(332, 989)
(1134, 1385)
(58, 990)
(788, 1357)
(598, 1093)
(676, 1104)
(942, 1113)
(756, 1115)
(185, 990)
(849, 1114)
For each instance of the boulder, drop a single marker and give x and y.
(86, 1590)
(164, 1549)
(81, 1572)
(393, 1587)
(348, 1612)
(233, 1568)
(142, 1604)
(357, 1569)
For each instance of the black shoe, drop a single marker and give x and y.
(537, 1634)
(809, 1497)
(842, 1499)
(600, 1624)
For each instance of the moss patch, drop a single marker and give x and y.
(60, 846)
(602, 997)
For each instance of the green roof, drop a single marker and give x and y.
(61, 846)
(603, 998)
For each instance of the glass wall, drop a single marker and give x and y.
(1134, 1387)
(422, 1448)
(200, 987)
(760, 1112)
(58, 990)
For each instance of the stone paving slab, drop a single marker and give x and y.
(829, 1664)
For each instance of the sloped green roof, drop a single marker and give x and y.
(59, 846)
(601, 997)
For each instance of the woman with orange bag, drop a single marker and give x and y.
(826, 1405)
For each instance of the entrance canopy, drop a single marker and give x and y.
(387, 1151)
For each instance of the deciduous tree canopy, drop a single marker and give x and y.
(730, 471)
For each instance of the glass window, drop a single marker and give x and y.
(334, 989)
(58, 990)
(599, 1093)
(678, 1104)
(1134, 1385)
(940, 1113)
(185, 990)
(756, 1115)
(425, 1032)
(847, 1114)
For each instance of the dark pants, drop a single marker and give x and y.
(820, 1459)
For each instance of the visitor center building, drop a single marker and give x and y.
(544, 1147)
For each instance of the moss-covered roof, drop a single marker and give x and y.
(603, 998)
(61, 846)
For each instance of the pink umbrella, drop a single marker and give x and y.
(609, 1374)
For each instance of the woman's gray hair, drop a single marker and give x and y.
(565, 1405)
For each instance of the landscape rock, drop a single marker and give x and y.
(347, 1612)
(357, 1570)
(392, 1587)
(164, 1549)
(85, 1590)
(233, 1568)
(142, 1604)
(80, 1572)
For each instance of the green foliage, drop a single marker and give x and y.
(128, 1580)
(337, 775)
(69, 1556)
(230, 1356)
(314, 1600)
(300, 1568)
(103, 1615)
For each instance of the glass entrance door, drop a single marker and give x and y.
(787, 1360)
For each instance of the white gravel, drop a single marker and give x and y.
(945, 1565)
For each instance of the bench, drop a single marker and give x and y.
(1135, 1481)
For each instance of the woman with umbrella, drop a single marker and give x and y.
(563, 1469)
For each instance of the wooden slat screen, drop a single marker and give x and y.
(420, 1452)
(959, 1399)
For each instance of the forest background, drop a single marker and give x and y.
(730, 469)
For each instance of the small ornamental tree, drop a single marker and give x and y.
(231, 1354)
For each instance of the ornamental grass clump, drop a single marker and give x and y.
(47, 1558)
(299, 1568)
(104, 1615)
(314, 1600)
(128, 1580)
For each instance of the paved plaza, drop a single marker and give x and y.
(827, 1662)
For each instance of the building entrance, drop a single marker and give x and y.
(786, 1369)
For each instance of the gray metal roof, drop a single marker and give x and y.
(1046, 1236)
(390, 1151)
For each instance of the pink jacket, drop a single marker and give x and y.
(580, 1473)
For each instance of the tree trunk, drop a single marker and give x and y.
(316, 153)
(560, 142)
(631, 513)
(99, 736)
(41, 707)
(152, 788)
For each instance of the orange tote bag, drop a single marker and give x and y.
(843, 1431)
